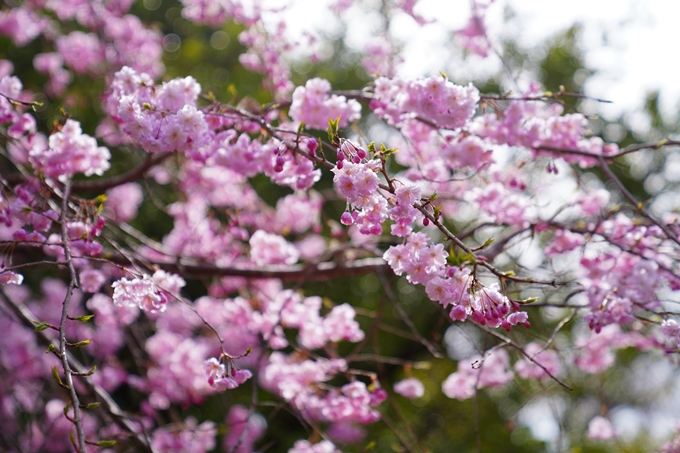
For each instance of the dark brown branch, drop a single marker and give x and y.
(104, 184)
(320, 272)
(191, 268)
(129, 176)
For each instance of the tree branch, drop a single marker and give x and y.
(68, 373)
(129, 176)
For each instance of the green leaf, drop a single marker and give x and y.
(106, 443)
(331, 136)
(333, 129)
(55, 374)
(530, 300)
(83, 318)
(50, 348)
(466, 257)
(92, 405)
(42, 326)
(488, 242)
(80, 344)
(437, 212)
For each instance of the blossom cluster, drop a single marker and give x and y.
(215, 13)
(162, 119)
(65, 153)
(68, 152)
(149, 294)
(266, 248)
(433, 99)
(544, 130)
(358, 183)
(303, 446)
(427, 265)
(265, 55)
(473, 37)
(314, 105)
(296, 381)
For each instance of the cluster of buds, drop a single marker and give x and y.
(349, 151)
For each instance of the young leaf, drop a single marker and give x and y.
(55, 374)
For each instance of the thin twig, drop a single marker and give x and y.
(519, 347)
(404, 317)
(73, 283)
(629, 196)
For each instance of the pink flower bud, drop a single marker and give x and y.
(346, 218)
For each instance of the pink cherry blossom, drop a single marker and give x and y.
(411, 388)
(266, 248)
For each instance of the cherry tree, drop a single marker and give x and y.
(190, 271)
